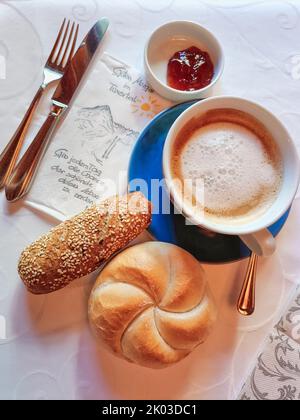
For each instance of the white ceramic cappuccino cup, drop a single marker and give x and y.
(253, 231)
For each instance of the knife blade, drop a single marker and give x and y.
(23, 174)
(78, 65)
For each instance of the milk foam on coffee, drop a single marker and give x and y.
(238, 164)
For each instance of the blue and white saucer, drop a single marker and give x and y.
(146, 164)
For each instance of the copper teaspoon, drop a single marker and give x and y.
(246, 302)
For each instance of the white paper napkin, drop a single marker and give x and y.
(88, 158)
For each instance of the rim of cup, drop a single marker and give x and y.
(231, 229)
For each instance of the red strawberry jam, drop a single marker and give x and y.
(190, 69)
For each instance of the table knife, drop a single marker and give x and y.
(21, 179)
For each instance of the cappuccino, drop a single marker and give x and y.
(234, 158)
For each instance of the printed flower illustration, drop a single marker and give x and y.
(146, 106)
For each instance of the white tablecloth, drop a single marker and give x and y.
(46, 350)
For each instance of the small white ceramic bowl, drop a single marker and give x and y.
(173, 37)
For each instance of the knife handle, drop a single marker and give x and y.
(10, 154)
(21, 179)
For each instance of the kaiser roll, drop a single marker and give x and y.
(151, 305)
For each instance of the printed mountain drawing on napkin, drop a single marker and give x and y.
(98, 124)
(88, 158)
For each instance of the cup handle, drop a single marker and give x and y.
(262, 243)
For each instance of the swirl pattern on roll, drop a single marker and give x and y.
(151, 305)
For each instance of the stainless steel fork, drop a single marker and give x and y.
(55, 66)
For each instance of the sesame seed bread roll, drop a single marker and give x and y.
(81, 244)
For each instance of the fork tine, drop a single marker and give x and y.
(67, 46)
(57, 60)
(57, 41)
(73, 46)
